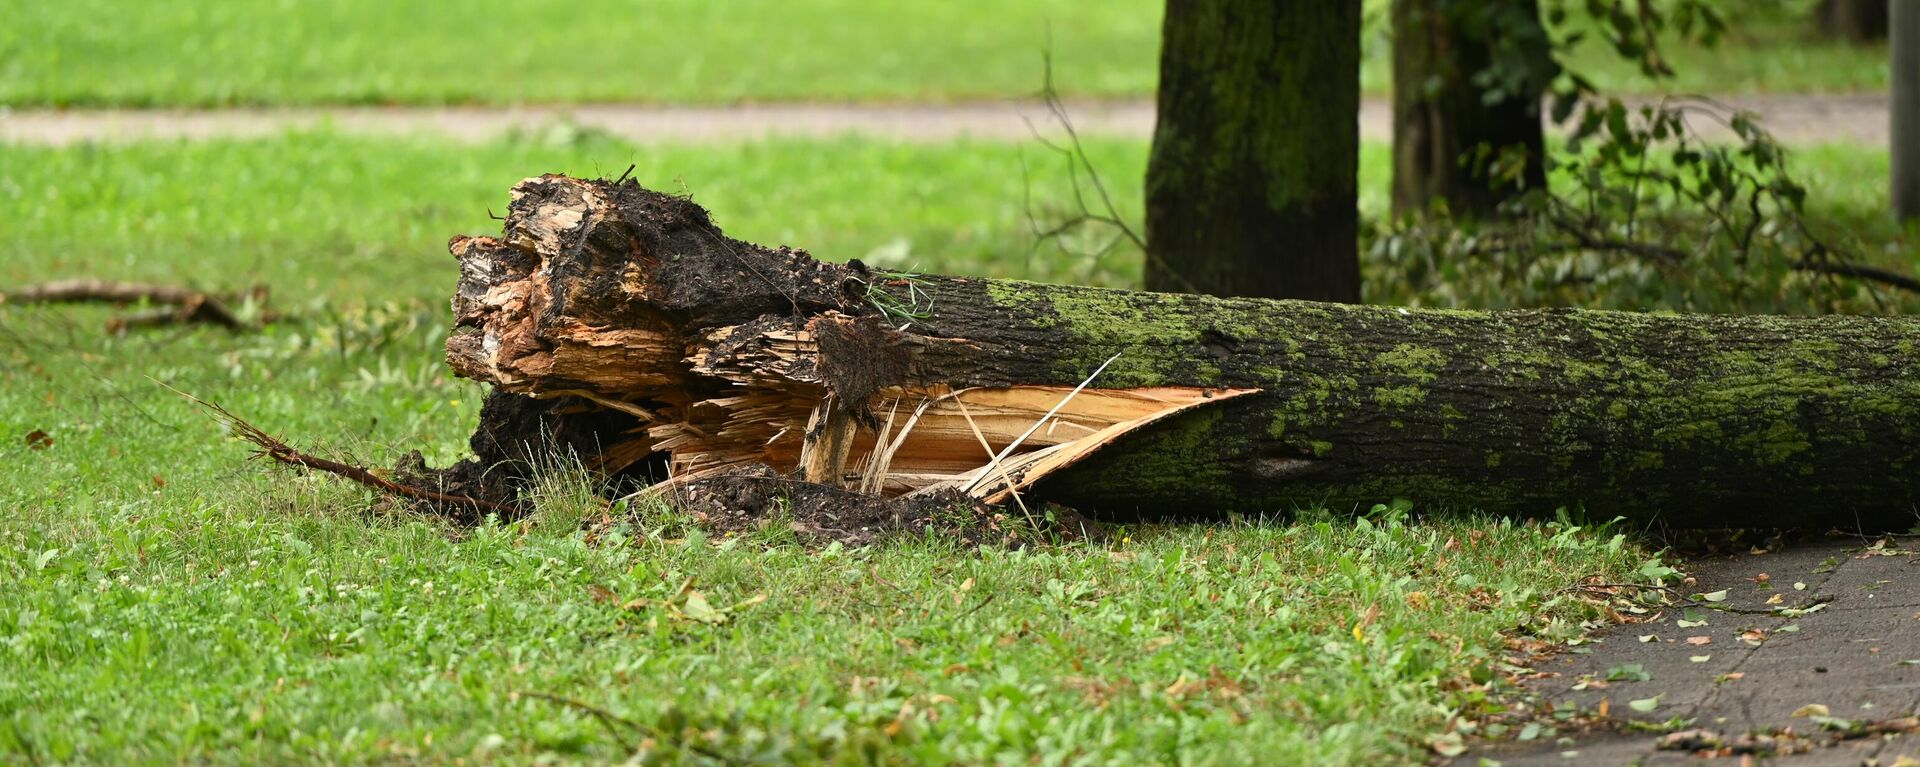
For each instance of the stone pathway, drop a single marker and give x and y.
(1858, 656)
(1852, 119)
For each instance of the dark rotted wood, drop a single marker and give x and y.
(1690, 420)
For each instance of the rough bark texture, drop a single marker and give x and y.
(1250, 187)
(1861, 21)
(1470, 144)
(1690, 420)
(1905, 155)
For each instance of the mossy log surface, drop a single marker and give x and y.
(636, 302)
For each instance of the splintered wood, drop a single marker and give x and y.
(582, 297)
(907, 439)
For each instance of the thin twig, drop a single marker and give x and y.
(976, 608)
(607, 719)
(272, 447)
(1075, 153)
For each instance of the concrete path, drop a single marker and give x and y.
(1857, 654)
(1853, 119)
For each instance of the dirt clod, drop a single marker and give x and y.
(751, 497)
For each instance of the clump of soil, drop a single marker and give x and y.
(747, 499)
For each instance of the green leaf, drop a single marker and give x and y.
(1811, 709)
(1713, 596)
(1795, 612)
(1645, 705)
(697, 609)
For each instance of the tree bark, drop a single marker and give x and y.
(1905, 153)
(1860, 21)
(731, 354)
(1250, 188)
(1468, 79)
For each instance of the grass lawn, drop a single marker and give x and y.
(167, 601)
(273, 52)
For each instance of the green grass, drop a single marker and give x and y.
(168, 601)
(274, 52)
(236, 620)
(355, 221)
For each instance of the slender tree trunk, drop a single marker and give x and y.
(1906, 109)
(1251, 187)
(1861, 21)
(629, 303)
(1467, 130)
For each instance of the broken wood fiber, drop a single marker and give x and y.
(722, 354)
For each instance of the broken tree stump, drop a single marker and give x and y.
(699, 354)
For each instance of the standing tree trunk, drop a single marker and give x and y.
(1468, 76)
(1906, 109)
(1861, 21)
(1251, 186)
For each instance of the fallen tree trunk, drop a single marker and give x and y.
(696, 354)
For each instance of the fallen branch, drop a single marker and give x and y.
(279, 451)
(189, 305)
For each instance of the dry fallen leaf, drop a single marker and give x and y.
(1697, 641)
(1776, 599)
(38, 440)
(1448, 745)
(1812, 709)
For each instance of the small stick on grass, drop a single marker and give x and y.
(612, 722)
(191, 305)
(272, 447)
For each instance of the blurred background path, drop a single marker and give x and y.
(1795, 118)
